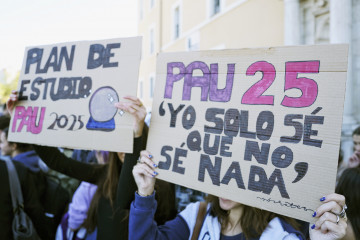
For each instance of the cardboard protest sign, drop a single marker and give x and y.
(67, 93)
(257, 126)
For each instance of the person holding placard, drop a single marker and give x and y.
(108, 211)
(71, 226)
(30, 193)
(224, 219)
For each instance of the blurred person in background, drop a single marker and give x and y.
(349, 186)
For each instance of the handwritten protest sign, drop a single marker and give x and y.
(67, 93)
(257, 126)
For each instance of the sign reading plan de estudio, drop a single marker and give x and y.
(67, 93)
(257, 126)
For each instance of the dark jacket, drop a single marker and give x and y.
(31, 202)
(30, 160)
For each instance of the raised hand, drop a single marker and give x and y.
(10, 103)
(135, 107)
(144, 174)
(331, 223)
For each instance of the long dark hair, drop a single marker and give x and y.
(107, 186)
(349, 186)
(253, 221)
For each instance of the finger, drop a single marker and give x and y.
(14, 93)
(147, 170)
(140, 170)
(138, 106)
(124, 107)
(331, 203)
(325, 227)
(331, 206)
(13, 97)
(146, 158)
(338, 229)
(148, 161)
(340, 199)
(327, 216)
(146, 153)
(128, 107)
(10, 103)
(134, 99)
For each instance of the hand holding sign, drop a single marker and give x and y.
(144, 174)
(137, 109)
(10, 103)
(329, 225)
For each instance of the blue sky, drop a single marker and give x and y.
(37, 22)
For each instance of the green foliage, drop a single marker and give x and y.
(10, 83)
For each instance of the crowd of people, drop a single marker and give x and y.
(120, 198)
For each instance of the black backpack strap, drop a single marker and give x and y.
(15, 189)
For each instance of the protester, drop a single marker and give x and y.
(108, 211)
(354, 160)
(349, 186)
(71, 224)
(20, 152)
(225, 219)
(24, 153)
(356, 139)
(32, 204)
(71, 227)
(29, 188)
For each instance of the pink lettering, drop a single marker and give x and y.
(28, 118)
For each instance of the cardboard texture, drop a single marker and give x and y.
(257, 126)
(67, 93)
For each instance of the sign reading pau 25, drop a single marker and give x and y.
(67, 93)
(257, 126)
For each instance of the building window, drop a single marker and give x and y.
(151, 87)
(176, 21)
(152, 3)
(193, 42)
(214, 7)
(152, 41)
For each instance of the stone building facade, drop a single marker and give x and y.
(324, 22)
